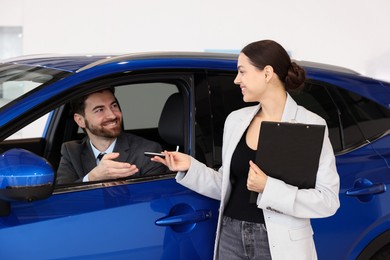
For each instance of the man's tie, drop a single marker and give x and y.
(100, 156)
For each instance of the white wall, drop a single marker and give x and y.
(350, 33)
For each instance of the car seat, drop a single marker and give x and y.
(171, 122)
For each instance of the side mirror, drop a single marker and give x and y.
(24, 176)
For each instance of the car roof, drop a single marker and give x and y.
(76, 63)
(69, 63)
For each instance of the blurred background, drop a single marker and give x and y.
(348, 33)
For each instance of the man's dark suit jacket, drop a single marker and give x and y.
(78, 159)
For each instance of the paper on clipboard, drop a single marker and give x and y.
(290, 152)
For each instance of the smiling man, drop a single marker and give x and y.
(106, 152)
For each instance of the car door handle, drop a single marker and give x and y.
(375, 188)
(192, 217)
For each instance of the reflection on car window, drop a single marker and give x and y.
(32, 130)
(359, 118)
(16, 80)
(372, 118)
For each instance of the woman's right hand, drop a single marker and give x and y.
(175, 161)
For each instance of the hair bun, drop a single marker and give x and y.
(295, 78)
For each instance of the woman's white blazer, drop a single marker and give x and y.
(287, 209)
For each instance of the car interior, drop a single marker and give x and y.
(169, 131)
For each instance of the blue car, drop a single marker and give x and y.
(175, 99)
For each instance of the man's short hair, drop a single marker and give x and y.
(78, 105)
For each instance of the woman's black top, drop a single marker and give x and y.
(238, 206)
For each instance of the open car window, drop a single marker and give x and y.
(142, 105)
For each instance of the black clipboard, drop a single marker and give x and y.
(290, 152)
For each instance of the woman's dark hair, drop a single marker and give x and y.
(78, 105)
(268, 52)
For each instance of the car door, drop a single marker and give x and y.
(368, 178)
(150, 217)
(354, 123)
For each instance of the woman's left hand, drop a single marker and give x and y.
(256, 178)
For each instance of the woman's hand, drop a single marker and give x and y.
(175, 161)
(256, 178)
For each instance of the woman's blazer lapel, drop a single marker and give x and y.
(290, 110)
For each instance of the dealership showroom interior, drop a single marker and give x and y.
(124, 126)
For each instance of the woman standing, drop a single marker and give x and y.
(278, 225)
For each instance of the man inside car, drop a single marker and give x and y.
(106, 152)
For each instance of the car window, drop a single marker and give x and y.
(35, 129)
(372, 118)
(216, 97)
(204, 148)
(142, 103)
(17, 80)
(352, 119)
(316, 98)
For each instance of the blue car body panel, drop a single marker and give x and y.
(117, 222)
(356, 215)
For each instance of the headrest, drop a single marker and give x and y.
(171, 123)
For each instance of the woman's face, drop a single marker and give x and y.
(250, 79)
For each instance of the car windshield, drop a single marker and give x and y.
(17, 80)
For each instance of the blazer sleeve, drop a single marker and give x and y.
(67, 172)
(202, 179)
(322, 201)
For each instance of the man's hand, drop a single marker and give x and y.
(110, 169)
(256, 178)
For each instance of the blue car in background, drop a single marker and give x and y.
(176, 99)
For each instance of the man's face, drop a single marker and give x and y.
(103, 117)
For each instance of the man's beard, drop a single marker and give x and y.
(103, 132)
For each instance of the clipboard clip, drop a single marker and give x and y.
(294, 121)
